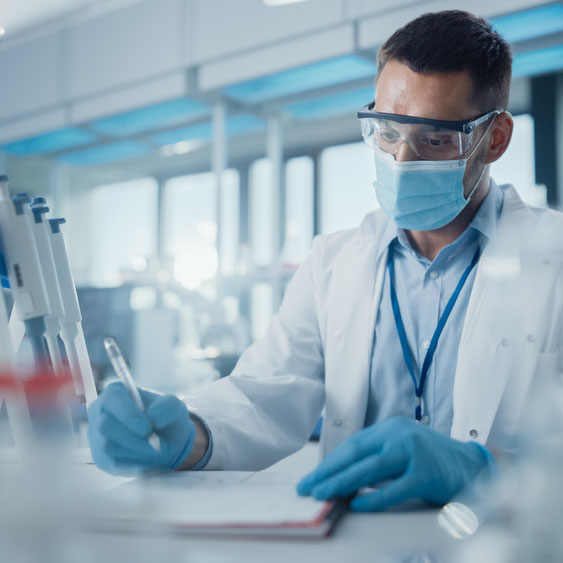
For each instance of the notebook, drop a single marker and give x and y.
(217, 503)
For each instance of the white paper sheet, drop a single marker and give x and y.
(215, 498)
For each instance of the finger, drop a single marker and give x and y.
(116, 466)
(359, 446)
(148, 458)
(397, 491)
(148, 396)
(165, 409)
(368, 471)
(115, 399)
(114, 431)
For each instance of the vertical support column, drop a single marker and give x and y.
(275, 156)
(559, 137)
(55, 179)
(160, 221)
(3, 164)
(317, 195)
(244, 238)
(544, 102)
(219, 163)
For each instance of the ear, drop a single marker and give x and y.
(501, 133)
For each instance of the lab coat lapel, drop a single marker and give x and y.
(354, 294)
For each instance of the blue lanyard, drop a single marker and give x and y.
(419, 387)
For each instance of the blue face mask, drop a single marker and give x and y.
(421, 195)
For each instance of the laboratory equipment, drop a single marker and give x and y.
(122, 371)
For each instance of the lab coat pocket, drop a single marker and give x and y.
(523, 392)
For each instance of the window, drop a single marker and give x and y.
(123, 228)
(261, 198)
(347, 193)
(190, 226)
(262, 309)
(299, 180)
(517, 164)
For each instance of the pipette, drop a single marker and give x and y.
(24, 269)
(53, 321)
(71, 325)
(122, 371)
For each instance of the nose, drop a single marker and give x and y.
(404, 152)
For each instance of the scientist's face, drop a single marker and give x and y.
(444, 96)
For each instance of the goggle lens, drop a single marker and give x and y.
(428, 142)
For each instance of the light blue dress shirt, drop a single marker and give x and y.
(423, 289)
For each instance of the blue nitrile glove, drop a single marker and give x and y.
(118, 431)
(418, 461)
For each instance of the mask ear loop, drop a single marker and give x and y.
(483, 171)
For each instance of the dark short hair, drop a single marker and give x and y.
(455, 41)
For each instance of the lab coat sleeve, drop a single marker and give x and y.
(267, 408)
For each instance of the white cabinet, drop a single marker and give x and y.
(29, 77)
(225, 27)
(133, 44)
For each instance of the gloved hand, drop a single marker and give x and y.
(420, 463)
(118, 431)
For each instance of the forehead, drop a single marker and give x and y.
(444, 96)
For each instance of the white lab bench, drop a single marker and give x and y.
(407, 535)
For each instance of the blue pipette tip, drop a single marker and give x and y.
(20, 201)
(56, 224)
(38, 213)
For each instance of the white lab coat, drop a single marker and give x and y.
(318, 348)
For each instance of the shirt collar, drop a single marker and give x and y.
(484, 222)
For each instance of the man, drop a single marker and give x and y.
(419, 332)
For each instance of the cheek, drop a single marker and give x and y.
(473, 170)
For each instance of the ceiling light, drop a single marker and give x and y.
(274, 3)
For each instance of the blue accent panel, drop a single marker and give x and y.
(541, 61)
(301, 79)
(236, 125)
(59, 140)
(38, 201)
(530, 23)
(105, 154)
(151, 117)
(335, 104)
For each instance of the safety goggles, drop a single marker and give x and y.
(430, 139)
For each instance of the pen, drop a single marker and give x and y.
(120, 367)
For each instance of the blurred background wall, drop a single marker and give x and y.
(197, 146)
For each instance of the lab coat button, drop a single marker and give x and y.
(337, 422)
(531, 338)
(336, 335)
(473, 433)
(426, 344)
(505, 342)
(546, 262)
(433, 275)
